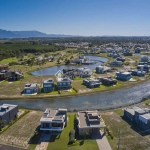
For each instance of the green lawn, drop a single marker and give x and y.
(61, 143)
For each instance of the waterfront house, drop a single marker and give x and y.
(137, 73)
(138, 115)
(107, 81)
(8, 112)
(91, 82)
(83, 72)
(116, 63)
(123, 75)
(89, 121)
(64, 83)
(48, 85)
(31, 88)
(54, 120)
(102, 69)
(144, 67)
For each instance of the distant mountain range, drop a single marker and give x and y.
(28, 34)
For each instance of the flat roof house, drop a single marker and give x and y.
(8, 112)
(91, 83)
(141, 116)
(116, 63)
(48, 85)
(31, 88)
(89, 121)
(123, 75)
(54, 119)
(64, 83)
(102, 69)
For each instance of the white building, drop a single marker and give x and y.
(54, 120)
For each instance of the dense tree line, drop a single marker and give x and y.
(19, 48)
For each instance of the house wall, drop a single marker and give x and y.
(129, 115)
(10, 115)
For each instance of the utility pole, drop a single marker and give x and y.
(118, 145)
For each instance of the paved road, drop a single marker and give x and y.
(5, 147)
(101, 140)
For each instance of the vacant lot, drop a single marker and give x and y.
(20, 133)
(131, 137)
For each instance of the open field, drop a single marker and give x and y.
(21, 131)
(131, 137)
(61, 143)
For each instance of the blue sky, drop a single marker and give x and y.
(77, 17)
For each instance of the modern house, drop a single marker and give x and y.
(91, 83)
(89, 121)
(137, 50)
(15, 75)
(102, 69)
(64, 83)
(120, 59)
(144, 58)
(138, 73)
(107, 81)
(83, 72)
(123, 75)
(144, 67)
(31, 88)
(54, 120)
(116, 63)
(8, 112)
(48, 85)
(138, 115)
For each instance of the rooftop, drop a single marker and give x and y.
(146, 116)
(90, 119)
(6, 108)
(54, 114)
(48, 81)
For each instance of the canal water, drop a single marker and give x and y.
(100, 101)
(53, 70)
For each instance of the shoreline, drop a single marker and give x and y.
(48, 97)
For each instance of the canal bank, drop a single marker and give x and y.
(100, 101)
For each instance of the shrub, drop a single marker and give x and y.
(72, 136)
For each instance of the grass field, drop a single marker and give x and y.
(131, 137)
(62, 142)
(21, 131)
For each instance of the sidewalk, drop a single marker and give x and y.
(101, 140)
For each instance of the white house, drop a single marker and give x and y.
(54, 120)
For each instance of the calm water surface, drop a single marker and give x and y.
(53, 70)
(101, 101)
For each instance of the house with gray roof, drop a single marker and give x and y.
(123, 75)
(89, 121)
(31, 88)
(138, 115)
(8, 112)
(48, 85)
(54, 119)
(91, 82)
(64, 83)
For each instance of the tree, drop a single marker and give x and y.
(85, 134)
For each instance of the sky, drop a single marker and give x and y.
(77, 17)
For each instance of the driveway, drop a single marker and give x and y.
(101, 140)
